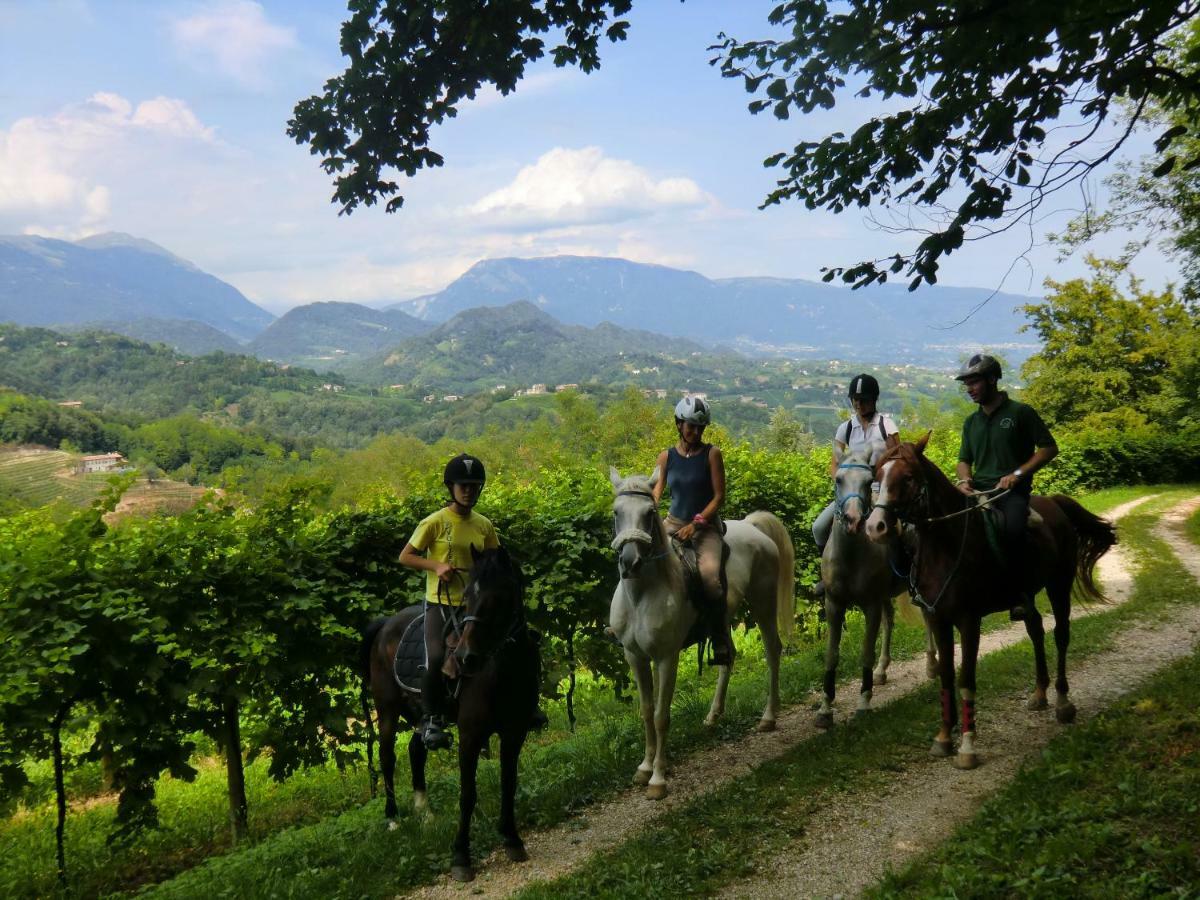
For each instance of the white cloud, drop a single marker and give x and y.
(55, 170)
(235, 35)
(584, 187)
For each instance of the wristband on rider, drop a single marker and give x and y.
(699, 519)
(1018, 473)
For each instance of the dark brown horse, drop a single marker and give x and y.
(960, 579)
(497, 694)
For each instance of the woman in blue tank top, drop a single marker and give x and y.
(695, 473)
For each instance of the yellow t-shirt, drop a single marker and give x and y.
(446, 536)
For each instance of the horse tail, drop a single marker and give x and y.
(785, 578)
(364, 667)
(1096, 536)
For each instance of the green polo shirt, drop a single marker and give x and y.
(995, 445)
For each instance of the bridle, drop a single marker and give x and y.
(459, 622)
(841, 501)
(637, 535)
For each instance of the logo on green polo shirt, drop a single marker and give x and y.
(1006, 423)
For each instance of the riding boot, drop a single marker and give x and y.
(433, 723)
(722, 640)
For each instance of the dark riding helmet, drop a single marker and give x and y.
(863, 386)
(464, 469)
(980, 365)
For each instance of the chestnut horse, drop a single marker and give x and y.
(961, 580)
(498, 660)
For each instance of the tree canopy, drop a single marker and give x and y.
(963, 143)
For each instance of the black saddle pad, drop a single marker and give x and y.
(408, 666)
(691, 572)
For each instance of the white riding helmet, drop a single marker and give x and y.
(694, 410)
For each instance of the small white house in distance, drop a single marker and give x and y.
(102, 462)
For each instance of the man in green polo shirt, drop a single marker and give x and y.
(1003, 443)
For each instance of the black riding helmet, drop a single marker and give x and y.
(863, 385)
(980, 365)
(464, 469)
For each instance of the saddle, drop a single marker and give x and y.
(694, 587)
(408, 665)
(992, 525)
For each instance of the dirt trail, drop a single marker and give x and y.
(557, 851)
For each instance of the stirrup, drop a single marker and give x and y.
(434, 735)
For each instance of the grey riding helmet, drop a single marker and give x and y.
(980, 365)
(694, 410)
(863, 386)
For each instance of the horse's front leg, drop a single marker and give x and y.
(510, 752)
(969, 635)
(874, 615)
(664, 691)
(835, 617)
(885, 652)
(644, 678)
(468, 762)
(944, 635)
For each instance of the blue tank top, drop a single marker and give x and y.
(690, 482)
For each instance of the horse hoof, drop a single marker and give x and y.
(462, 873)
(1037, 703)
(966, 760)
(879, 677)
(642, 777)
(1065, 713)
(516, 853)
(392, 825)
(656, 791)
(941, 749)
(823, 720)
(862, 713)
(765, 725)
(710, 721)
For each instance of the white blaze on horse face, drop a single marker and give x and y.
(876, 522)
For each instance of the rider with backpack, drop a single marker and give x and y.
(867, 426)
(1003, 443)
(695, 473)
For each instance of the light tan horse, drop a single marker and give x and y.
(653, 618)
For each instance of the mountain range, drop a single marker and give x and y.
(134, 287)
(934, 325)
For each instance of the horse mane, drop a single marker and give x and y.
(496, 564)
(934, 476)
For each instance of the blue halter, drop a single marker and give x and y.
(842, 501)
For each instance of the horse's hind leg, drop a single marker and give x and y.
(717, 708)
(1060, 601)
(874, 613)
(943, 631)
(1037, 636)
(931, 650)
(416, 761)
(510, 752)
(773, 649)
(835, 617)
(885, 652)
(387, 757)
(644, 679)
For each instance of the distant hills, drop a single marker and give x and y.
(934, 325)
(115, 278)
(519, 344)
(331, 335)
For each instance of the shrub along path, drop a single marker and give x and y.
(559, 851)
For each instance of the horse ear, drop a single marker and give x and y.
(655, 475)
(839, 455)
(614, 476)
(921, 442)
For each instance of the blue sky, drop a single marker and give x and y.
(167, 121)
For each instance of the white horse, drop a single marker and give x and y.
(653, 618)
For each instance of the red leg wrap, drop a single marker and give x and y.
(968, 716)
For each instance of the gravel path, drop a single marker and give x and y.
(557, 851)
